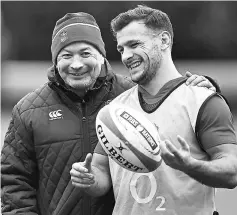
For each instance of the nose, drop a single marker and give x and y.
(76, 63)
(127, 54)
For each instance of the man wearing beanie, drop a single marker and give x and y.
(53, 127)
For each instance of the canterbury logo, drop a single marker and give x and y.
(55, 115)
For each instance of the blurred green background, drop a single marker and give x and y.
(205, 42)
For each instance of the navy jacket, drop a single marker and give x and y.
(52, 128)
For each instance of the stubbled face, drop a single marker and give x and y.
(79, 65)
(140, 51)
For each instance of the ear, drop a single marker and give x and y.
(165, 40)
(101, 59)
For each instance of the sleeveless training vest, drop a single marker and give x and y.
(165, 191)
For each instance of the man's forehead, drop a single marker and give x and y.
(135, 27)
(134, 31)
(80, 46)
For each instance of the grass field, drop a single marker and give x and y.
(18, 78)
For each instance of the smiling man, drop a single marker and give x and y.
(198, 147)
(79, 65)
(54, 126)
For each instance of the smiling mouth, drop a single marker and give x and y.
(134, 65)
(77, 74)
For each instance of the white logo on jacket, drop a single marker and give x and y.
(55, 115)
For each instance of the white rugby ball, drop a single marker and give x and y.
(129, 138)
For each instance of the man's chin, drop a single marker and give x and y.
(141, 80)
(137, 78)
(78, 86)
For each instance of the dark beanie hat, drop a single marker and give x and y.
(76, 27)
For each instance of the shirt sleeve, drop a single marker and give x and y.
(99, 150)
(215, 123)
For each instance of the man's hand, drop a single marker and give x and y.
(219, 172)
(179, 159)
(198, 80)
(81, 175)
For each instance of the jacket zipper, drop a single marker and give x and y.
(86, 143)
(86, 147)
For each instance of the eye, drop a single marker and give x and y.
(85, 54)
(134, 45)
(66, 56)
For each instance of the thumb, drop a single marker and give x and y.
(87, 162)
(188, 74)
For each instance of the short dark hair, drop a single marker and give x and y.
(153, 18)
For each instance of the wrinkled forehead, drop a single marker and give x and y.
(133, 31)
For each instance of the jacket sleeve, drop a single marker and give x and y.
(18, 170)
